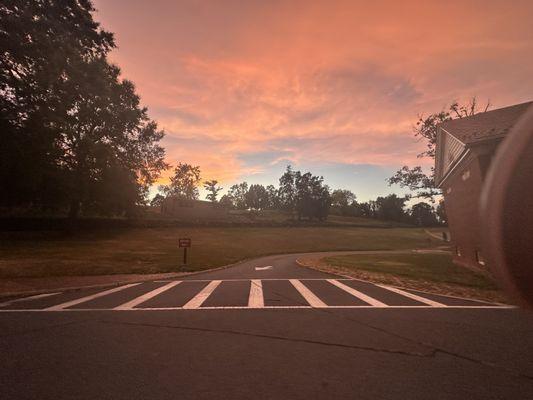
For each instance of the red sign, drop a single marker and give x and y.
(186, 242)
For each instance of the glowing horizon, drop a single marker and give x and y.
(245, 88)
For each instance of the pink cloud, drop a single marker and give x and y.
(340, 81)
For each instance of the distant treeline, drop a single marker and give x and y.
(302, 194)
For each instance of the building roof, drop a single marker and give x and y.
(456, 137)
(487, 125)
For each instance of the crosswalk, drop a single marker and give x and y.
(232, 294)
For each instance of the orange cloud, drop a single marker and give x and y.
(314, 81)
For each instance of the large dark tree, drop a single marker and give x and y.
(312, 197)
(273, 198)
(257, 197)
(237, 195)
(422, 214)
(390, 208)
(73, 132)
(416, 179)
(343, 202)
(287, 190)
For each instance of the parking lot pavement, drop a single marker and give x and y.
(264, 329)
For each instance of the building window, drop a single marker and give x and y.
(458, 251)
(479, 258)
(466, 175)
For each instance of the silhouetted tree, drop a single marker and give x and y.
(184, 183)
(367, 209)
(287, 190)
(390, 208)
(343, 202)
(73, 133)
(213, 189)
(226, 202)
(441, 213)
(237, 194)
(415, 179)
(312, 197)
(257, 197)
(422, 214)
(342, 198)
(273, 199)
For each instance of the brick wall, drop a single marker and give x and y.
(461, 198)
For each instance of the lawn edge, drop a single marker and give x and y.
(317, 268)
(176, 275)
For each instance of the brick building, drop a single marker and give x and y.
(464, 151)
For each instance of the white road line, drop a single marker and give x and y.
(35, 297)
(264, 308)
(146, 296)
(357, 293)
(71, 303)
(263, 268)
(202, 296)
(309, 296)
(263, 279)
(256, 299)
(413, 296)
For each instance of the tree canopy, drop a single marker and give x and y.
(74, 135)
(184, 182)
(212, 190)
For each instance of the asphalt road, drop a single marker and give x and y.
(265, 329)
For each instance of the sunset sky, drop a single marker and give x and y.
(243, 88)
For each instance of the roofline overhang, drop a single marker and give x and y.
(465, 153)
(452, 135)
(456, 162)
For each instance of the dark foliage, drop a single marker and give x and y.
(74, 135)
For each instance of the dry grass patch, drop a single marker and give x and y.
(154, 250)
(427, 272)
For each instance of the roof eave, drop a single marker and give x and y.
(452, 168)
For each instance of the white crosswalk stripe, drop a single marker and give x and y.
(199, 299)
(88, 298)
(357, 293)
(309, 296)
(259, 296)
(256, 299)
(413, 296)
(29, 298)
(147, 296)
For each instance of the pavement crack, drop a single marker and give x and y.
(276, 337)
(434, 350)
(484, 363)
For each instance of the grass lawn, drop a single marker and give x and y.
(154, 250)
(419, 271)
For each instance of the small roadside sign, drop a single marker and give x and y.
(184, 242)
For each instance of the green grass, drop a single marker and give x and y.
(154, 250)
(435, 268)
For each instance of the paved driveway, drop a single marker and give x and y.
(264, 329)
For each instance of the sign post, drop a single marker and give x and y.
(184, 243)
